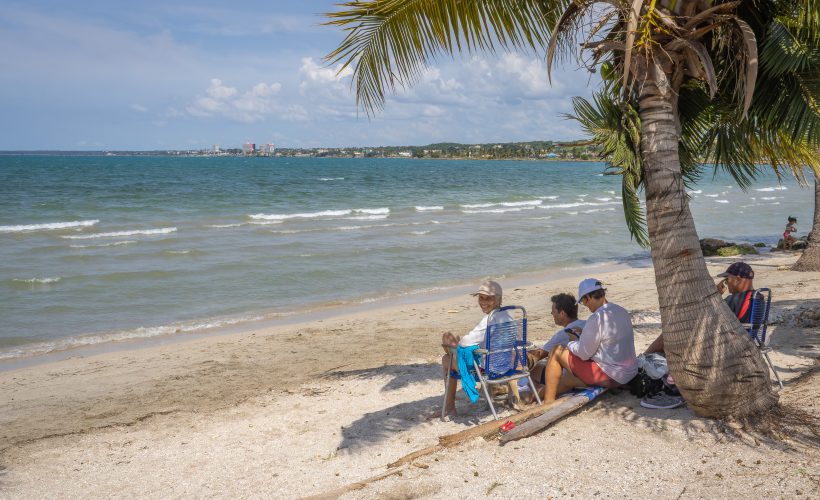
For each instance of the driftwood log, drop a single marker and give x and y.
(540, 416)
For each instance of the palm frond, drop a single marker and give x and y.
(615, 127)
(390, 42)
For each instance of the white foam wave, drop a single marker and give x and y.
(511, 204)
(307, 215)
(325, 179)
(775, 203)
(699, 191)
(112, 244)
(137, 333)
(549, 197)
(367, 217)
(582, 195)
(712, 195)
(38, 281)
(356, 228)
(116, 234)
(578, 204)
(572, 213)
(373, 211)
(497, 210)
(594, 210)
(420, 233)
(611, 192)
(179, 252)
(604, 199)
(265, 222)
(429, 209)
(319, 215)
(223, 226)
(49, 226)
(774, 188)
(768, 198)
(721, 201)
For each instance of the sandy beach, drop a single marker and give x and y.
(309, 407)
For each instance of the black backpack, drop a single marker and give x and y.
(644, 385)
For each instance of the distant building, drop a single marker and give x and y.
(248, 148)
(405, 154)
(216, 148)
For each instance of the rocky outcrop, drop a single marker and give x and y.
(713, 246)
(800, 244)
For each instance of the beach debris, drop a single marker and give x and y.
(453, 311)
(420, 465)
(807, 316)
(493, 486)
(508, 426)
(563, 407)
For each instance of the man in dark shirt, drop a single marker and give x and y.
(738, 278)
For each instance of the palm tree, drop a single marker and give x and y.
(672, 65)
(810, 260)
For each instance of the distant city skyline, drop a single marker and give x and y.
(93, 75)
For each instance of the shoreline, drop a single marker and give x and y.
(312, 406)
(261, 320)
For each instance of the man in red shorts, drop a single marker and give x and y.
(604, 355)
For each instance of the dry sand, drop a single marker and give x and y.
(307, 408)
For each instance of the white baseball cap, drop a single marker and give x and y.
(587, 286)
(489, 287)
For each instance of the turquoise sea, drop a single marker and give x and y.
(96, 249)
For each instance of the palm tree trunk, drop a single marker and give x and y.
(717, 367)
(810, 260)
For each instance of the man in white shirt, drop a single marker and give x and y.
(489, 299)
(604, 355)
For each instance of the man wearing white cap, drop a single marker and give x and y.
(604, 355)
(489, 299)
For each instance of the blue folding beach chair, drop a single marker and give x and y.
(758, 325)
(504, 358)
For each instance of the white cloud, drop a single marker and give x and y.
(432, 110)
(250, 106)
(139, 108)
(323, 74)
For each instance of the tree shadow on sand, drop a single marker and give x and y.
(382, 425)
(385, 424)
(401, 375)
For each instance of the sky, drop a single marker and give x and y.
(148, 75)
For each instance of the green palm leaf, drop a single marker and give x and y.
(390, 42)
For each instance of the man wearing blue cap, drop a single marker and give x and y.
(738, 278)
(603, 355)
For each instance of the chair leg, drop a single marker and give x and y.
(487, 395)
(444, 399)
(771, 365)
(533, 389)
(484, 388)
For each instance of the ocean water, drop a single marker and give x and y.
(100, 249)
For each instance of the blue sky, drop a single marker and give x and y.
(90, 75)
